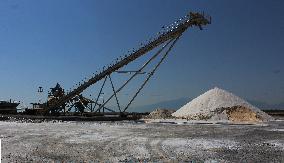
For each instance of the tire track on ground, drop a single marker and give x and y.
(154, 146)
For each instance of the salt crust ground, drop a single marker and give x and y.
(216, 122)
(129, 141)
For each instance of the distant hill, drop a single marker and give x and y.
(178, 103)
(170, 104)
(265, 106)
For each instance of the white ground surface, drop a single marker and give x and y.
(129, 141)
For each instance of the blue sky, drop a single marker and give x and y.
(47, 41)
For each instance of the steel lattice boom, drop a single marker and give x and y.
(169, 33)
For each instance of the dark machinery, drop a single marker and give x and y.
(8, 107)
(60, 101)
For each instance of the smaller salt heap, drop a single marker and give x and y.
(220, 105)
(160, 114)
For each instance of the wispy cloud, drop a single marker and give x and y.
(277, 71)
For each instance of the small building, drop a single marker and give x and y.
(8, 107)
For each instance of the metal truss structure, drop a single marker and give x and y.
(166, 39)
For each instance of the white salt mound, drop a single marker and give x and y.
(206, 106)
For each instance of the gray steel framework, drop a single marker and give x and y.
(168, 35)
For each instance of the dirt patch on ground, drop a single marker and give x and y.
(160, 114)
(242, 114)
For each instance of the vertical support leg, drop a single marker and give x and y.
(99, 95)
(136, 73)
(114, 92)
(151, 74)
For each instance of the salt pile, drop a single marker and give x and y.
(160, 114)
(218, 104)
